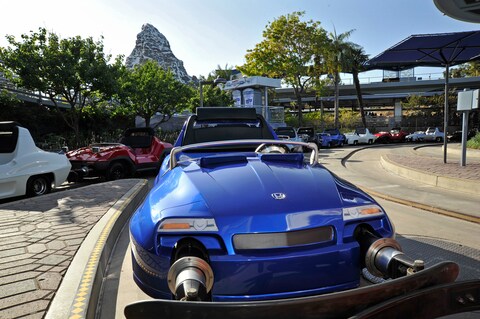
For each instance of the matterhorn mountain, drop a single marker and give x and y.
(152, 45)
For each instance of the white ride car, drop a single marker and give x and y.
(24, 168)
(434, 134)
(418, 136)
(360, 136)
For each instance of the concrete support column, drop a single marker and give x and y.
(398, 112)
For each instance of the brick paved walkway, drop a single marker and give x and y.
(38, 239)
(436, 166)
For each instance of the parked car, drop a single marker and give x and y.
(418, 136)
(434, 134)
(307, 134)
(245, 219)
(457, 136)
(139, 150)
(25, 169)
(360, 136)
(331, 137)
(396, 134)
(288, 133)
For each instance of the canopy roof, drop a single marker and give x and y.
(436, 50)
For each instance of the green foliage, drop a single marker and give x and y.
(349, 120)
(335, 51)
(429, 105)
(291, 49)
(148, 89)
(219, 72)
(288, 49)
(38, 119)
(465, 70)
(167, 136)
(7, 98)
(474, 142)
(72, 68)
(335, 61)
(212, 96)
(353, 61)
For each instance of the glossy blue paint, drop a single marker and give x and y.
(238, 196)
(250, 193)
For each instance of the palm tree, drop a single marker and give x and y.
(224, 73)
(334, 57)
(353, 61)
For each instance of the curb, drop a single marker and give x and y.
(451, 183)
(78, 293)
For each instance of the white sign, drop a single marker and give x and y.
(464, 101)
(248, 97)
(237, 98)
(475, 100)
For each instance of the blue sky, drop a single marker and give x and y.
(204, 34)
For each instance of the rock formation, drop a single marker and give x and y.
(153, 45)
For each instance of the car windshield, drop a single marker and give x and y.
(360, 131)
(330, 131)
(307, 131)
(290, 132)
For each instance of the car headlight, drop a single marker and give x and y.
(357, 212)
(187, 224)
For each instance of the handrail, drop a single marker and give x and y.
(179, 149)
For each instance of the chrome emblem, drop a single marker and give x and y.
(279, 196)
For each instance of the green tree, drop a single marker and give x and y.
(212, 93)
(335, 55)
(212, 96)
(288, 51)
(224, 73)
(148, 89)
(71, 69)
(7, 98)
(466, 69)
(348, 119)
(353, 60)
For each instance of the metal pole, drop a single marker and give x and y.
(267, 113)
(445, 115)
(463, 161)
(201, 94)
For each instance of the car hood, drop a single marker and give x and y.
(258, 196)
(251, 196)
(94, 151)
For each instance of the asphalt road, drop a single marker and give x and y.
(423, 235)
(364, 169)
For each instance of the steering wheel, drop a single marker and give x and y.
(272, 148)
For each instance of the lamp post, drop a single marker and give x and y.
(217, 81)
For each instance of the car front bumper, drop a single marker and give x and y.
(81, 169)
(273, 275)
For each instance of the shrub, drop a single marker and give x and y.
(474, 142)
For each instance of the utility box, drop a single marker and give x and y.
(464, 101)
(252, 97)
(475, 101)
(237, 97)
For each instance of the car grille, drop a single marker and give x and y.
(283, 239)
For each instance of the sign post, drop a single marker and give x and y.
(467, 100)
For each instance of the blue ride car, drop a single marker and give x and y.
(331, 137)
(235, 215)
